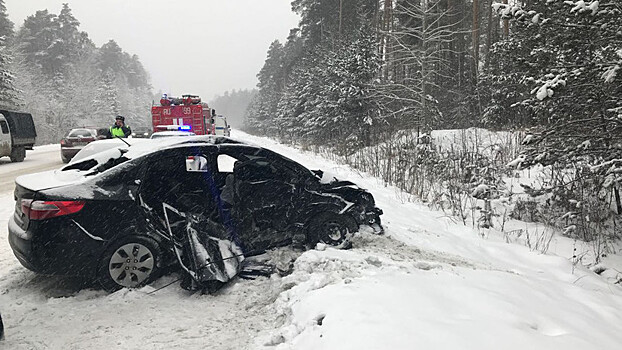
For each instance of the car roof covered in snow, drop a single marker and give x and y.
(141, 148)
(102, 145)
(116, 154)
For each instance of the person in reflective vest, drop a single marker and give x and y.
(119, 129)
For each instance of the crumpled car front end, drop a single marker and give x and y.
(361, 204)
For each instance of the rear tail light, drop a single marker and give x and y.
(65, 142)
(41, 210)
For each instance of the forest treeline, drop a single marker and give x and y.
(356, 69)
(52, 69)
(358, 75)
(233, 104)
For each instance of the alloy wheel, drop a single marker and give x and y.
(131, 265)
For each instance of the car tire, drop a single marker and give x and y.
(64, 159)
(18, 154)
(130, 262)
(331, 228)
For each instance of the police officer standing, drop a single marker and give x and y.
(119, 129)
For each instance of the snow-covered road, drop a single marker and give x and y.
(40, 159)
(428, 284)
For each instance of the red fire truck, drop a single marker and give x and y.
(186, 113)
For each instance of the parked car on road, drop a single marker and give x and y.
(141, 132)
(17, 134)
(160, 134)
(202, 202)
(75, 140)
(221, 127)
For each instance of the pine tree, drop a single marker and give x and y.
(74, 44)
(38, 40)
(567, 85)
(262, 110)
(110, 58)
(6, 26)
(8, 92)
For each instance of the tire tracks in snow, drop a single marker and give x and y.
(398, 251)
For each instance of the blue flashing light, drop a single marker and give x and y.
(184, 127)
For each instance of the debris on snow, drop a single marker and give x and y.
(374, 261)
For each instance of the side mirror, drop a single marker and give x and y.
(196, 164)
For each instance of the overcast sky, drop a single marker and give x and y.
(188, 46)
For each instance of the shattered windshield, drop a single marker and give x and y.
(99, 162)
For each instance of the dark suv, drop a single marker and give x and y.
(116, 216)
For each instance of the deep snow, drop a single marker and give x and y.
(429, 283)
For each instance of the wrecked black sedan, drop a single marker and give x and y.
(203, 203)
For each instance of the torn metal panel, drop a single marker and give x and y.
(200, 247)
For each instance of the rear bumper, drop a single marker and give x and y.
(71, 257)
(69, 152)
(21, 244)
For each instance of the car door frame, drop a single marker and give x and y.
(246, 152)
(157, 158)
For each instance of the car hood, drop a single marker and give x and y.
(346, 190)
(349, 191)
